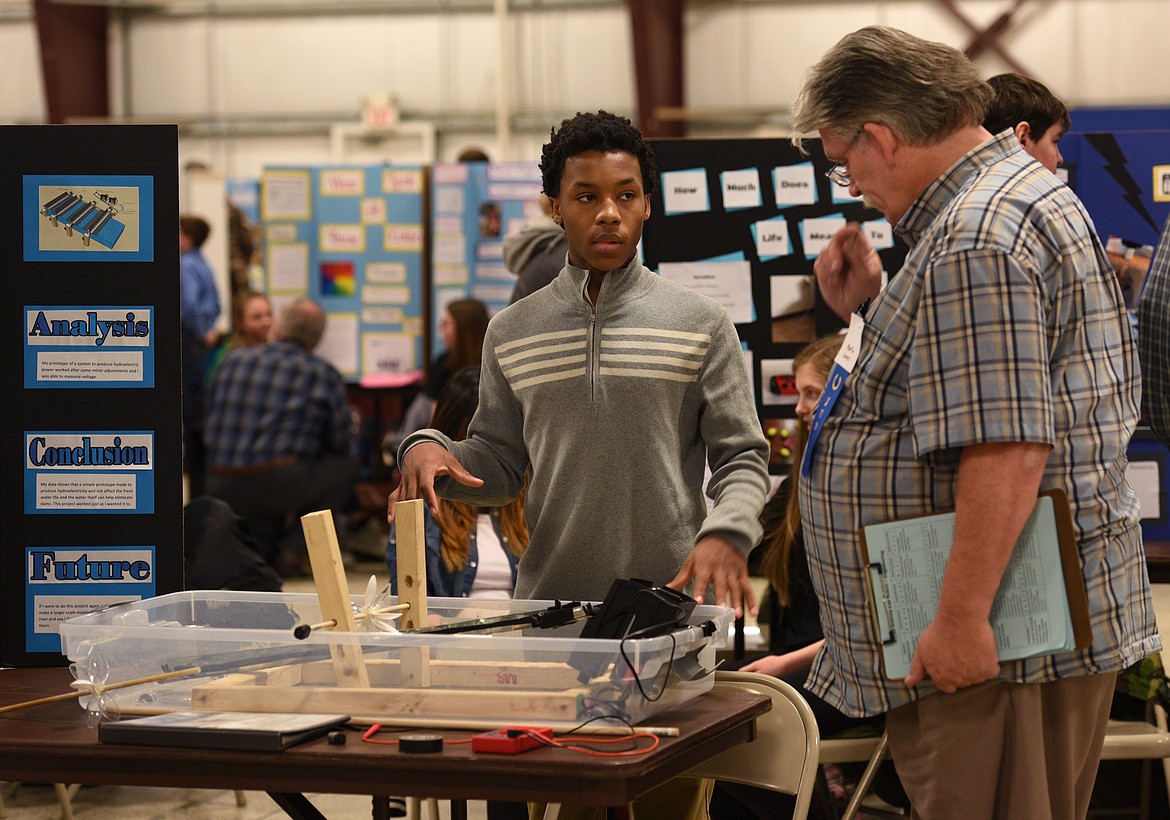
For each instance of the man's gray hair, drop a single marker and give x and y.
(302, 321)
(923, 91)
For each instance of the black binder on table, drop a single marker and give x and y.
(1041, 607)
(250, 731)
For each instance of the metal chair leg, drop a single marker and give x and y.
(866, 780)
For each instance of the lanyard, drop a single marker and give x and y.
(842, 367)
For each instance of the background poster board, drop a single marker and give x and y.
(743, 221)
(1123, 178)
(353, 239)
(474, 205)
(91, 480)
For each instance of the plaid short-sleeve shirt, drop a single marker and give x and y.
(1004, 325)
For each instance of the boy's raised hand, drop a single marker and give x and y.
(421, 464)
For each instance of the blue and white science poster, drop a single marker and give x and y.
(91, 477)
(352, 238)
(474, 206)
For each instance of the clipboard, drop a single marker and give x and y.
(1041, 607)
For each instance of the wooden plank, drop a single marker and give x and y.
(537, 676)
(386, 704)
(412, 586)
(289, 675)
(333, 595)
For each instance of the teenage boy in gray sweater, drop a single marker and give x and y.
(615, 386)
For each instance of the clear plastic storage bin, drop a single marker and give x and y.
(240, 653)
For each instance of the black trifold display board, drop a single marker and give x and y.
(730, 216)
(91, 474)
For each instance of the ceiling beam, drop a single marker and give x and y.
(987, 38)
(657, 27)
(74, 62)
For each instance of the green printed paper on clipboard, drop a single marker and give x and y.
(1040, 609)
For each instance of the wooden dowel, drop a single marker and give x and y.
(392, 608)
(303, 631)
(195, 670)
(382, 610)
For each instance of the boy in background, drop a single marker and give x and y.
(1038, 116)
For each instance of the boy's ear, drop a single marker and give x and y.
(646, 214)
(1023, 132)
(555, 211)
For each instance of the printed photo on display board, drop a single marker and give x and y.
(337, 278)
(782, 438)
(778, 389)
(793, 304)
(778, 382)
(489, 220)
(85, 218)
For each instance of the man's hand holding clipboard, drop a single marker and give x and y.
(961, 654)
(952, 621)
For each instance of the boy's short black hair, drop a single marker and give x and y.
(602, 131)
(1022, 99)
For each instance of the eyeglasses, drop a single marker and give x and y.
(839, 174)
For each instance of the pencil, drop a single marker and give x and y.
(472, 724)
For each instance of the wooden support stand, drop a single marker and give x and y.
(403, 683)
(333, 593)
(412, 586)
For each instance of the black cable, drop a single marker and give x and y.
(634, 672)
(648, 631)
(587, 721)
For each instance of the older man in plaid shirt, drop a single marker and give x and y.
(997, 363)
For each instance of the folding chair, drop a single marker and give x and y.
(1124, 740)
(784, 755)
(1140, 740)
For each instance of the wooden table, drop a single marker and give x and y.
(51, 743)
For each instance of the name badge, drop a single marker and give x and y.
(842, 367)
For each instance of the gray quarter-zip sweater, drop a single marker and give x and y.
(616, 410)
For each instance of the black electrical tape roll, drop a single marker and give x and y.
(420, 744)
